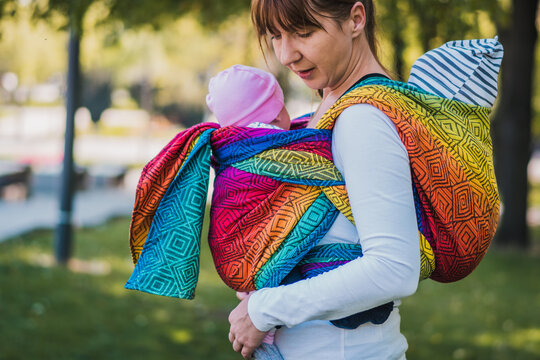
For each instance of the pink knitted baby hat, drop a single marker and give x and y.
(241, 95)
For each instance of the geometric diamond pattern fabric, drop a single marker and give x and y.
(155, 179)
(172, 247)
(451, 158)
(277, 193)
(260, 229)
(261, 225)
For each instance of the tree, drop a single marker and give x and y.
(7, 7)
(512, 122)
(515, 23)
(427, 22)
(135, 13)
(132, 13)
(445, 19)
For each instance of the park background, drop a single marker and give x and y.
(144, 70)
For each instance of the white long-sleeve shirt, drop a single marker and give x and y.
(374, 162)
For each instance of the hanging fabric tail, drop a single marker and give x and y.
(168, 215)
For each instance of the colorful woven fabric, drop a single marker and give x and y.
(451, 158)
(277, 193)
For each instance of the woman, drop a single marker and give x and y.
(331, 45)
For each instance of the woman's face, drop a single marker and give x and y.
(320, 57)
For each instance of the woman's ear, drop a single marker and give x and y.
(358, 18)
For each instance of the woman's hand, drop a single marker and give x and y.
(244, 336)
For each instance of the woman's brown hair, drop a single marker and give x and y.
(297, 15)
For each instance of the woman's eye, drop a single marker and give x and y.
(305, 34)
(275, 37)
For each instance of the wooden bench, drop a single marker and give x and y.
(13, 174)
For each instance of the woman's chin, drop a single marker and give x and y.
(313, 84)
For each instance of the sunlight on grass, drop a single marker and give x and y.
(181, 336)
(527, 339)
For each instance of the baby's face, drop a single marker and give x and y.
(283, 120)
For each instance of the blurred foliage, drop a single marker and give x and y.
(140, 12)
(196, 39)
(85, 313)
(447, 20)
(119, 16)
(135, 13)
(534, 194)
(8, 8)
(409, 30)
(72, 10)
(35, 52)
(175, 61)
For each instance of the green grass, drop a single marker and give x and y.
(50, 312)
(492, 314)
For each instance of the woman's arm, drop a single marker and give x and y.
(375, 165)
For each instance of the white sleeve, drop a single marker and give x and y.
(375, 165)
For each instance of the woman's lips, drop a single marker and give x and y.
(304, 74)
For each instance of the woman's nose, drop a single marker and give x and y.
(288, 53)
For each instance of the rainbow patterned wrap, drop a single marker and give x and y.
(276, 194)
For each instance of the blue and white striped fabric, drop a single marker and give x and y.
(465, 70)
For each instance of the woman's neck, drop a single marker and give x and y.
(361, 64)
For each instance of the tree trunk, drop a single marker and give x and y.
(64, 231)
(512, 123)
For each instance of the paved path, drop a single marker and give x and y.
(92, 207)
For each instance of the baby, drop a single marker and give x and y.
(246, 96)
